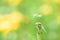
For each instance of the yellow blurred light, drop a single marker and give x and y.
(58, 19)
(10, 21)
(5, 25)
(56, 1)
(13, 2)
(46, 9)
(16, 17)
(15, 26)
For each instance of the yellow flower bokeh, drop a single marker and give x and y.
(46, 9)
(13, 2)
(10, 21)
(56, 1)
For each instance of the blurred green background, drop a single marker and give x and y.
(45, 11)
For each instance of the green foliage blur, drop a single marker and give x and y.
(30, 9)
